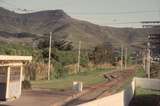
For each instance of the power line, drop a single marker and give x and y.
(115, 13)
(90, 13)
(124, 23)
(7, 3)
(15, 7)
(2, 1)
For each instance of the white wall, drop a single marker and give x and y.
(114, 100)
(14, 89)
(146, 83)
(119, 99)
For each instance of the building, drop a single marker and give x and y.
(11, 75)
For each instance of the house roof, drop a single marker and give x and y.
(15, 58)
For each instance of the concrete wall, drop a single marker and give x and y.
(129, 93)
(120, 99)
(124, 97)
(146, 83)
(14, 89)
(114, 100)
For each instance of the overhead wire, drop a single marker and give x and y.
(90, 13)
(95, 13)
(15, 7)
(115, 13)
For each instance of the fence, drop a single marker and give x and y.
(36, 71)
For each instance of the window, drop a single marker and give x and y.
(3, 74)
(15, 73)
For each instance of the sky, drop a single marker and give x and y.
(116, 13)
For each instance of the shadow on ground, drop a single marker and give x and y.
(145, 100)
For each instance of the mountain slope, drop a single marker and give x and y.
(64, 27)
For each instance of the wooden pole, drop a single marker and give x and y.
(126, 55)
(121, 57)
(49, 58)
(79, 56)
(144, 61)
(105, 66)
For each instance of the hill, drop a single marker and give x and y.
(26, 27)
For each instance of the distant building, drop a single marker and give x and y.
(153, 38)
(150, 24)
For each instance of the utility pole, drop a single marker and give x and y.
(144, 60)
(79, 57)
(121, 57)
(49, 58)
(126, 56)
(105, 59)
(148, 67)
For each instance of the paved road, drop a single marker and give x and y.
(39, 98)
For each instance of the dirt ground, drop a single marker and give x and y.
(39, 98)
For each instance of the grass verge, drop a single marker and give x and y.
(89, 77)
(140, 72)
(141, 91)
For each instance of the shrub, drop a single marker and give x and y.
(59, 71)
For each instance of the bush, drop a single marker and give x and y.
(59, 71)
(84, 60)
(140, 72)
(66, 57)
(26, 84)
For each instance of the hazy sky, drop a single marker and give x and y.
(121, 13)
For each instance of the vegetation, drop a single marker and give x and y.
(59, 71)
(141, 91)
(103, 54)
(15, 49)
(87, 77)
(145, 97)
(21, 49)
(62, 56)
(140, 72)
